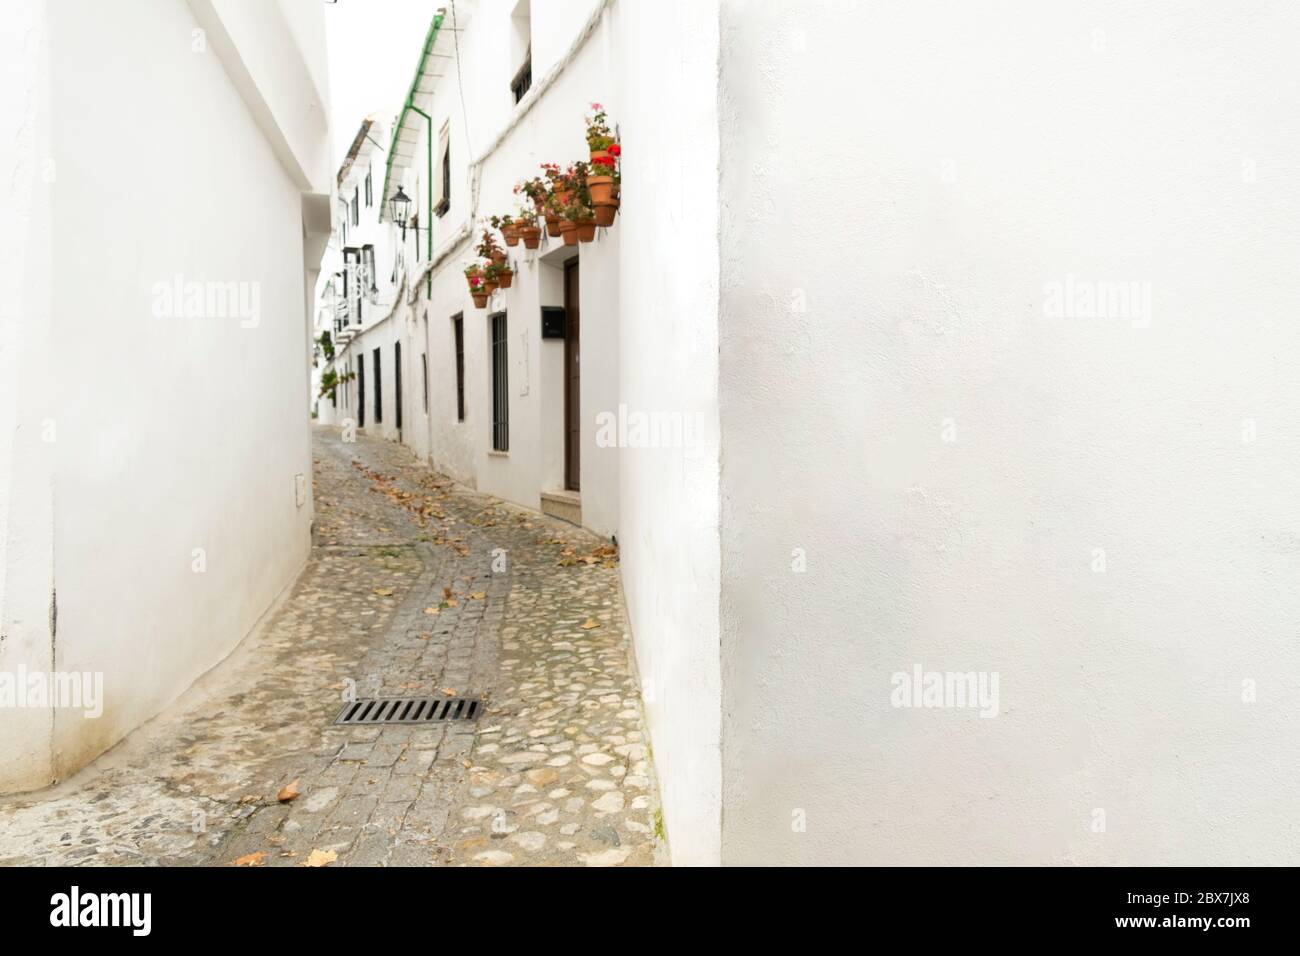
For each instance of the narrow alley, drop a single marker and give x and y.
(416, 586)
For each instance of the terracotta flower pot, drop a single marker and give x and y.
(602, 188)
(480, 300)
(498, 256)
(511, 234)
(598, 154)
(489, 286)
(569, 230)
(605, 212)
(586, 230)
(504, 280)
(552, 225)
(532, 237)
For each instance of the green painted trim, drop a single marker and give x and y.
(407, 107)
(428, 191)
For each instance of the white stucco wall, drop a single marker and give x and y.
(666, 61)
(26, 498)
(171, 434)
(897, 289)
(507, 143)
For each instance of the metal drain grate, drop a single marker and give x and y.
(409, 710)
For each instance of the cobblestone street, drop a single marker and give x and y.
(415, 586)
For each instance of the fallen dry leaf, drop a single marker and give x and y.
(478, 595)
(288, 792)
(252, 859)
(590, 623)
(320, 858)
(383, 592)
(430, 610)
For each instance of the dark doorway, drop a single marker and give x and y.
(397, 382)
(572, 381)
(361, 391)
(379, 389)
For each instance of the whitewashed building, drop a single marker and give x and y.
(851, 248)
(167, 205)
(486, 397)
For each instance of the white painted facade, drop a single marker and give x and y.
(908, 459)
(1099, 509)
(155, 458)
(648, 304)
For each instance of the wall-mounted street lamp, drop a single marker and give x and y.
(399, 207)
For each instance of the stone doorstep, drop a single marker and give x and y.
(565, 505)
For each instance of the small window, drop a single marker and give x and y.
(523, 80)
(379, 389)
(521, 49)
(356, 206)
(353, 284)
(370, 194)
(500, 385)
(443, 204)
(458, 330)
(368, 263)
(424, 367)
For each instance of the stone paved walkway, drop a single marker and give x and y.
(415, 586)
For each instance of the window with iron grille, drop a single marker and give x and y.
(379, 389)
(500, 386)
(458, 330)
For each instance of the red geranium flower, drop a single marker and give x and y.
(615, 149)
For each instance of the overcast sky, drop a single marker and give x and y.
(373, 47)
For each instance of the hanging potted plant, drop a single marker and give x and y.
(569, 231)
(526, 227)
(488, 248)
(599, 136)
(491, 276)
(535, 189)
(554, 215)
(474, 275)
(478, 292)
(505, 275)
(604, 184)
(507, 226)
(579, 224)
(600, 180)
